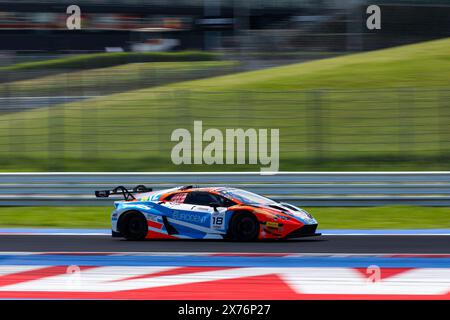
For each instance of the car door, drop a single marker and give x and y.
(201, 203)
(193, 213)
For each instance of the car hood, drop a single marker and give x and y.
(290, 211)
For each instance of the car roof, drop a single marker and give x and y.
(207, 189)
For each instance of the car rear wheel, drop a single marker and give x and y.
(134, 227)
(244, 227)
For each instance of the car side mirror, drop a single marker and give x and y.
(215, 205)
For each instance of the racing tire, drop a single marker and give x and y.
(134, 227)
(244, 227)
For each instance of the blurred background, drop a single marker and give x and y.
(108, 96)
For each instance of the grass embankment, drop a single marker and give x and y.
(366, 120)
(389, 217)
(116, 79)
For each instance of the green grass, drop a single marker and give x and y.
(67, 217)
(380, 110)
(389, 217)
(117, 78)
(423, 65)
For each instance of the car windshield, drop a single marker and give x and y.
(246, 196)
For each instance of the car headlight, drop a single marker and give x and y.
(307, 214)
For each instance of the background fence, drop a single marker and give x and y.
(304, 189)
(399, 129)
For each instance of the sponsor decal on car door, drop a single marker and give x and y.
(189, 213)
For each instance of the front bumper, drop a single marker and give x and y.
(308, 230)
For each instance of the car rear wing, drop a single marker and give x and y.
(127, 194)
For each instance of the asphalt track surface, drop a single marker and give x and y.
(323, 244)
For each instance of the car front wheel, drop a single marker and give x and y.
(244, 227)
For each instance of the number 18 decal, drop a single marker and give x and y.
(218, 220)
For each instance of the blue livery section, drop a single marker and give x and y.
(190, 221)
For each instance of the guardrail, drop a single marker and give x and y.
(301, 188)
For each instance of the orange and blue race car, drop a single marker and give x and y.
(189, 212)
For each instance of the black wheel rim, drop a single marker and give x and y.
(247, 227)
(136, 226)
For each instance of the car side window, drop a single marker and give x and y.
(225, 202)
(200, 198)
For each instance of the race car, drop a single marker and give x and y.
(189, 212)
